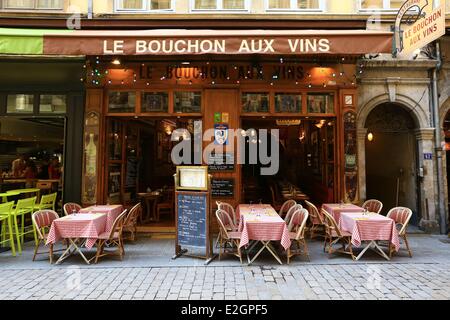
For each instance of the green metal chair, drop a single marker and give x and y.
(23, 208)
(48, 201)
(6, 210)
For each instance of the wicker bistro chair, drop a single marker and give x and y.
(317, 220)
(48, 201)
(290, 212)
(113, 237)
(333, 235)
(130, 223)
(286, 206)
(23, 208)
(71, 207)
(373, 205)
(42, 220)
(230, 210)
(297, 227)
(227, 237)
(401, 216)
(7, 234)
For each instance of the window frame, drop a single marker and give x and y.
(146, 8)
(246, 9)
(385, 9)
(35, 7)
(294, 9)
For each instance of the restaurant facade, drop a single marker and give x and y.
(353, 122)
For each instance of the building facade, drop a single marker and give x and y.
(334, 99)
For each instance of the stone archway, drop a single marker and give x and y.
(391, 158)
(424, 136)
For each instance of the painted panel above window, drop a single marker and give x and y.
(131, 6)
(32, 4)
(52, 103)
(220, 5)
(295, 5)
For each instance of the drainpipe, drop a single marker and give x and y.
(90, 9)
(437, 141)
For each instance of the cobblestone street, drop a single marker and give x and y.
(362, 281)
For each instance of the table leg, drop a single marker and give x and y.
(266, 245)
(376, 248)
(67, 253)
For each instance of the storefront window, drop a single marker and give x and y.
(143, 5)
(20, 103)
(288, 102)
(188, 102)
(122, 102)
(155, 102)
(320, 103)
(255, 102)
(115, 141)
(52, 103)
(381, 4)
(114, 184)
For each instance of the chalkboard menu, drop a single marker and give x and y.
(222, 188)
(221, 162)
(192, 210)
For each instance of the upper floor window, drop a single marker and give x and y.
(144, 5)
(381, 4)
(32, 4)
(284, 5)
(226, 5)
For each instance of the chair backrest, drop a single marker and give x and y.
(291, 210)
(330, 224)
(71, 207)
(225, 222)
(44, 185)
(43, 219)
(401, 216)
(133, 215)
(230, 210)
(118, 224)
(27, 204)
(48, 198)
(286, 206)
(373, 205)
(298, 222)
(6, 208)
(315, 216)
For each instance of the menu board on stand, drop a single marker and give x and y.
(192, 208)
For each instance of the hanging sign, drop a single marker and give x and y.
(428, 25)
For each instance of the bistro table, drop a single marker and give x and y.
(370, 227)
(262, 224)
(335, 209)
(74, 227)
(4, 196)
(111, 211)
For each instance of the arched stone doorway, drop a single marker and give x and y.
(391, 158)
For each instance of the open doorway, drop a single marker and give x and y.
(391, 159)
(307, 167)
(140, 168)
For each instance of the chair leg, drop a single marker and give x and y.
(11, 236)
(288, 255)
(407, 245)
(22, 230)
(50, 253)
(36, 247)
(16, 227)
(100, 244)
(305, 249)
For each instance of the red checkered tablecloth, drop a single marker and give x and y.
(112, 212)
(335, 209)
(369, 227)
(262, 223)
(74, 226)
